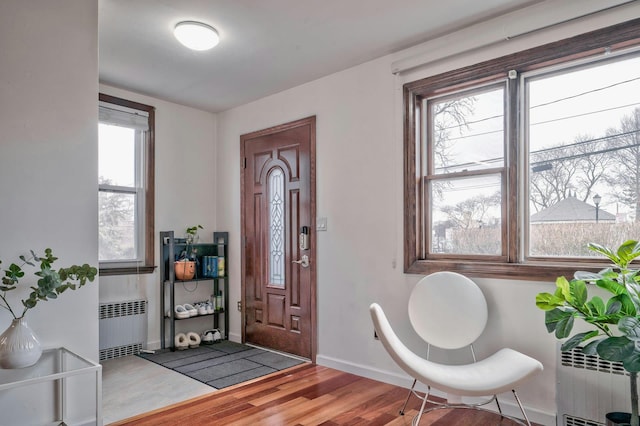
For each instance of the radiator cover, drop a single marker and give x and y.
(123, 328)
(588, 388)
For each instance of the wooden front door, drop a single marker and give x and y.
(278, 269)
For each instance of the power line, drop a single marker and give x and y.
(554, 101)
(568, 117)
(583, 114)
(587, 154)
(585, 93)
(533, 153)
(480, 120)
(600, 139)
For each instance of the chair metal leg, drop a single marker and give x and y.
(416, 419)
(498, 404)
(408, 396)
(521, 407)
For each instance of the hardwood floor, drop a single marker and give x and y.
(309, 395)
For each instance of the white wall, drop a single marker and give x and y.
(359, 190)
(48, 161)
(185, 195)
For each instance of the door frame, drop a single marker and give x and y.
(308, 121)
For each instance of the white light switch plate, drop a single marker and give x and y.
(321, 224)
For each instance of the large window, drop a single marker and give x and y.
(514, 165)
(125, 186)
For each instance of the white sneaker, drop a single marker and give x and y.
(207, 337)
(210, 309)
(202, 309)
(181, 312)
(191, 310)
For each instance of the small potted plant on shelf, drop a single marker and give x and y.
(615, 323)
(19, 347)
(185, 266)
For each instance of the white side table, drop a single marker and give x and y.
(57, 365)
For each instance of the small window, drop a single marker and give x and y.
(465, 142)
(125, 186)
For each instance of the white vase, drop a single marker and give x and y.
(19, 347)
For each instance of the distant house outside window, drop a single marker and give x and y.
(125, 186)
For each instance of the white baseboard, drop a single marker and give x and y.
(235, 337)
(509, 407)
(91, 422)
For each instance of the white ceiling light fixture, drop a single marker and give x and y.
(196, 35)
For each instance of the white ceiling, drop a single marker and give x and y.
(266, 46)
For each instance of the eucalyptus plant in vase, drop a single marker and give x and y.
(18, 345)
(615, 323)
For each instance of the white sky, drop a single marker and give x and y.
(116, 154)
(579, 95)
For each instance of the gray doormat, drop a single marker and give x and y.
(222, 364)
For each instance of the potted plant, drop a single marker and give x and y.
(185, 266)
(616, 322)
(18, 345)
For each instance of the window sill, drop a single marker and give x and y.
(130, 270)
(530, 271)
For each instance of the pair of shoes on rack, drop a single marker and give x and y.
(184, 311)
(187, 340)
(204, 308)
(210, 337)
(188, 310)
(191, 309)
(180, 312)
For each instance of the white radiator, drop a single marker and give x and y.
(588, 388)
(123, 328)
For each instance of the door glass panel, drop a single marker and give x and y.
(276, 228)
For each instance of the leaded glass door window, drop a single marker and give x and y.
(276, 228)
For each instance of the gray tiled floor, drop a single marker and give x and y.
(131, 386)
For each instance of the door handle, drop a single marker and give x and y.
(304, 261)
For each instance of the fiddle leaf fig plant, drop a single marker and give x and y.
(50, 284)
(615, 323)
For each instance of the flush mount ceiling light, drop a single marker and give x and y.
(196, 35)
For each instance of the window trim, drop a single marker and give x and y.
(502, 171)
(147, 265)
(591, 44)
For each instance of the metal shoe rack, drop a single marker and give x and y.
(170, 247)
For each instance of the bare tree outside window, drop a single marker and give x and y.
(625, 179)
(116, 225)
(464, 173)
(590, 114)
